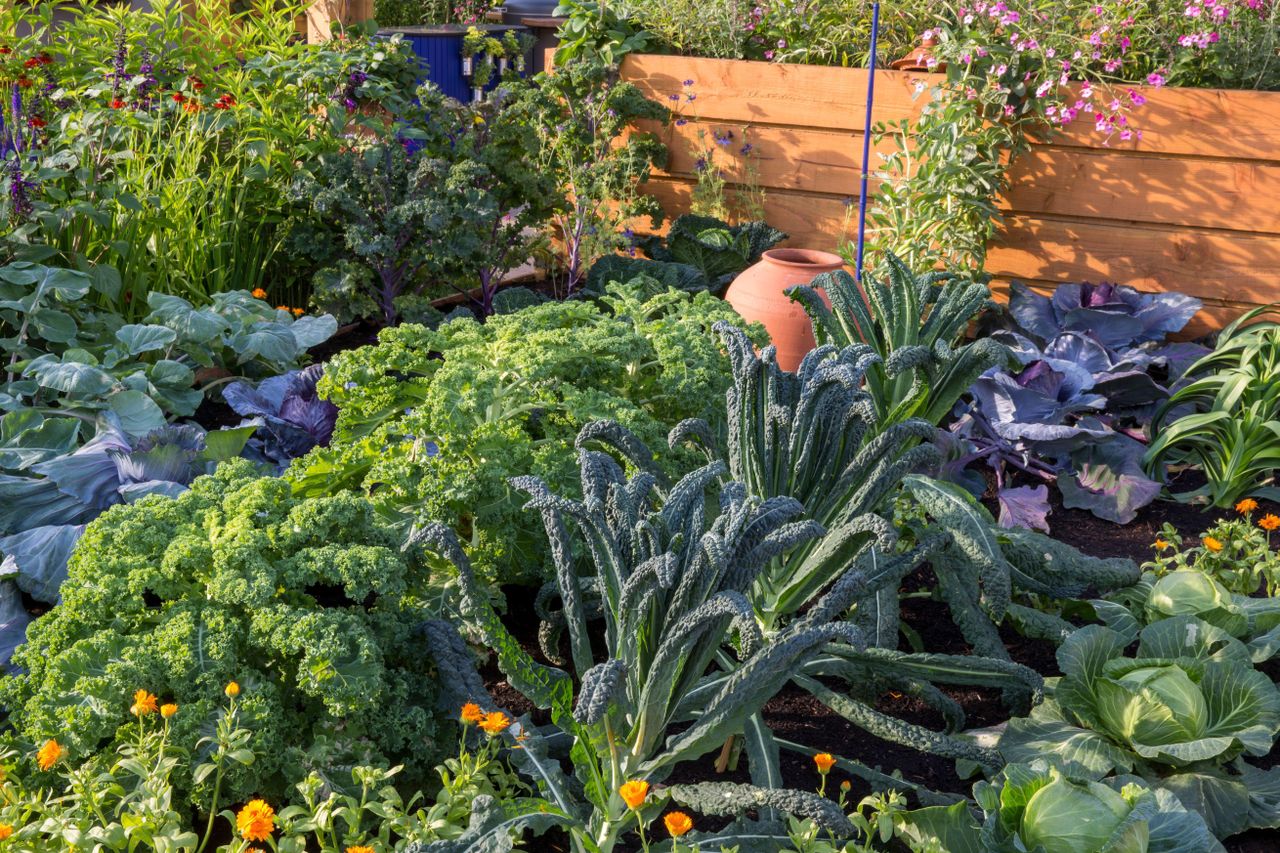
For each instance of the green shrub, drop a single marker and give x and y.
(437, 438)
(309, 604)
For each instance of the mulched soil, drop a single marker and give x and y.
(796, 716)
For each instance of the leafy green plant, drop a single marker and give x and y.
(698, 253)
(1035, 806)
(436, 437)
(598, 29)
(914, 324)
(1182, 714)
(310, 604)
(1235, 552)
(669, 581)
(1231, 429)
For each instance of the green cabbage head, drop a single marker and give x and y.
(1186, 593)
(1065, 817)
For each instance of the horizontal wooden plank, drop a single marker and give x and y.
(1207, 264)
(771, 93)
(1240, 196)
(1218, 123)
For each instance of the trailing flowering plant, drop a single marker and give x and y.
(1236, 552)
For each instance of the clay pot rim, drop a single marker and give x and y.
(803, 258)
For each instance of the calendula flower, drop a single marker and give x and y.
(144, 703)
(1160, 544)
(634, 792)
(495, 723)
(5, 831)
(256, 821)
(232, 690)
(1246, 506)
(359, 848)
(168, 709)
(825, 761)
(471, 713)
(282, 307)
(1212, 544)
(49, 754)
(259, 293)
(1269, 522)
(846, 786)
(298, 312)
(678, 823)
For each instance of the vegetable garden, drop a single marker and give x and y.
(540, 465)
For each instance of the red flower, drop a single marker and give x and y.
(226, 102)
(25, 82)
(36, 121)
(44, 59)
(195, 82)
(5, 51)
(117, 104)
(178, 97)
(31, 63)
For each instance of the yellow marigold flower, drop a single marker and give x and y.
(168, 709)
(1246, 506)
(825, 762)
(678, 823)
(49, 754)
(5, 831)
(1212, 544)
(256, 821)
(144, 703)
(1269, 522)
(233, 690)
(471, 713)
(634, 792)
(495, 723)
(1160, 544)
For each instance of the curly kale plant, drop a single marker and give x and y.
(1182, 713)
(432, 423)
(310, 605)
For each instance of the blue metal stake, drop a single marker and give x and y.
(866, 140)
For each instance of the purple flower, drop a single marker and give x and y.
(18, 187)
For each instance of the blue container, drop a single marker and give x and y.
(440, 47)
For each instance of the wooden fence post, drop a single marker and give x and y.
(323, 14)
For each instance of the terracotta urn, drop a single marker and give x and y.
(759, 296)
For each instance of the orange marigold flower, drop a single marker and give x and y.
(144, 703)
(49, 754)
(471, 713)
(634, 792)
(1212, 544)
(678, 823)
(256, 821)
(825, 762)
(282, 307)
(1269, 522)
(846, 786)
(232, 690)
(5, 831)
(298, 312)
(495, 723)
(259, 293)
(359, 848)
(1246, 506)
(1160, 544)
(168, 709)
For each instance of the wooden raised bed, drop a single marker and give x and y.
(1193, 206)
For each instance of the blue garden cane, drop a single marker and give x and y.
(866, 140)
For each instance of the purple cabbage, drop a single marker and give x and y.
(290, 416)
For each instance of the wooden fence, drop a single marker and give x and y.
(1193, 206)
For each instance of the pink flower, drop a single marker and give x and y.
(1155, 79)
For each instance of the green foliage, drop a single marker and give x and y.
(1181, 714)
(438, 437)
(1235, 552)
(64, 357)
(1233, 424)
(599, 29)
(310, 604)
(668, 574)
(913, 323)
(585, 122)
(408, 13)
(1035, 806)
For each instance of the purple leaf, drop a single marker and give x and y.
(1109, 480)
(1025, 506)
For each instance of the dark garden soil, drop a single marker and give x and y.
(796, 716)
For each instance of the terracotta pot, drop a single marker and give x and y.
(758, 295)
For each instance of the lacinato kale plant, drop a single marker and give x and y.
(432, 423)
(311, 606)
(1092, 366)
